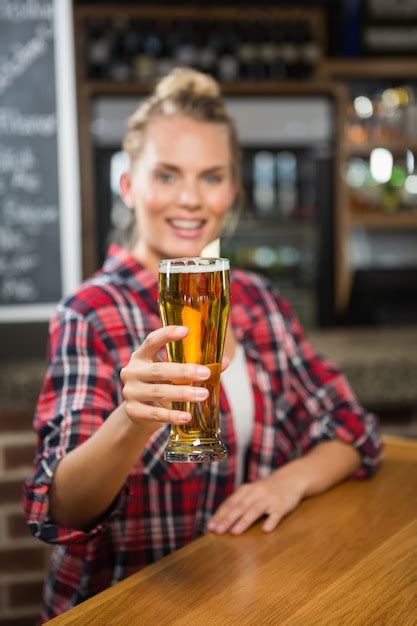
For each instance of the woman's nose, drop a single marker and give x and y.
(189, 195)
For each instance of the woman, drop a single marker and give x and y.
(100, 487)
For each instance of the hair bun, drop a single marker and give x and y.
(186, 79)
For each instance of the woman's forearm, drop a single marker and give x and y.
(88, 478)
(323, 466)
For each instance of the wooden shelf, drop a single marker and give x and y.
(249, 14)
(372, 67)
(291, 87)
(403, 219)
(181, 14)
(364, 149)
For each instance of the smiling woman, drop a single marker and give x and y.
(100, 486)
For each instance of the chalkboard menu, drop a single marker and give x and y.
(30, 230)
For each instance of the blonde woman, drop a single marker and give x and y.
(100, 488)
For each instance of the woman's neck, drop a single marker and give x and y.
(146, 257)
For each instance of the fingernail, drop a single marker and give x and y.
(203, 372)
(181, 331)
(201, 394)
(185, 417)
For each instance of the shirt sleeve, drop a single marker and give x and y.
(327, 406)
(79, 392)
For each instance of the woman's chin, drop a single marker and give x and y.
(187, 250)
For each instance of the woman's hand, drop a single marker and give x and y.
(325, 465)
(150, 385)
(273, 497)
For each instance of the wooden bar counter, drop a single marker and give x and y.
(346, 557)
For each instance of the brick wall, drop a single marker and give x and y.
(23, 559)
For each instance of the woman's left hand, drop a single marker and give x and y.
(273, 497)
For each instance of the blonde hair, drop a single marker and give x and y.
(187, 92)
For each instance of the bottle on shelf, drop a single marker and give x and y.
(382, 184)
(271, 52)
(387, 116)
(99, 44)
(307, 185)
(227, 60)
(286, 172)
(264, 183)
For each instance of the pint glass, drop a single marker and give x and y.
(194, 292)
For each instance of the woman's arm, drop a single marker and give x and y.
(337, 437)
(89, 477)
(325, 465)
(277, 495)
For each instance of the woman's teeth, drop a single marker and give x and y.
(187, 224)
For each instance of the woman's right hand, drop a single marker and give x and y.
(151, 385)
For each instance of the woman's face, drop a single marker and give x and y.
(181, 187)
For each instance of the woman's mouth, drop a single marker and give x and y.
(187, 227)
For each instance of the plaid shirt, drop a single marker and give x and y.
(300, 399)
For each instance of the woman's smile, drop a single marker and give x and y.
(186, 227)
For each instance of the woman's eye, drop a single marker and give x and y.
(164, 177)
(213, 178)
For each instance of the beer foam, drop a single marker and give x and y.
(202, 265)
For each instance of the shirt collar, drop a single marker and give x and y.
(243, 324)
(121, 263)
(119, 258)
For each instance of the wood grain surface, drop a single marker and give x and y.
(348, 556)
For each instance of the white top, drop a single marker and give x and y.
(238, 388)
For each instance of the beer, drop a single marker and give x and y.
(195, 293)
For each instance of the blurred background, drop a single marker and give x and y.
(324, 94)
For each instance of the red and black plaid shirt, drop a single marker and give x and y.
(300, 399)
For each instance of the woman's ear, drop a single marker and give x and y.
(126, 189)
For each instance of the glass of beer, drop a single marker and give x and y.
(194, 292)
